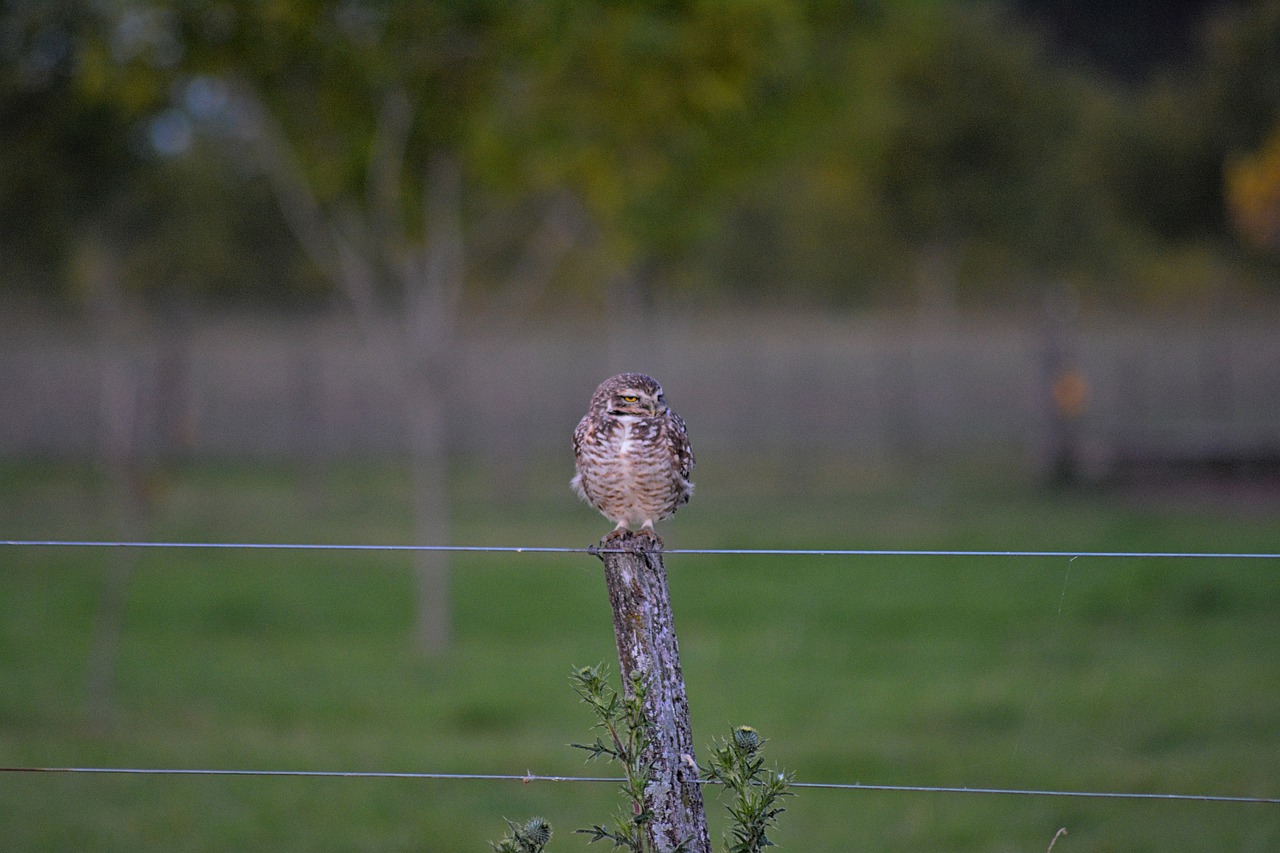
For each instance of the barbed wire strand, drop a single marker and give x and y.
(593, 549)
(531, 777)
(859, 552)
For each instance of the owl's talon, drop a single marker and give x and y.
(640, 542)
(647, 540)
(609, 542)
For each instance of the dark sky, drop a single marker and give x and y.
(1130, 38)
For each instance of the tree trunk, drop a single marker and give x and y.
(647, 647)
(121, 400)
(429, 463)
(366, 250)
(432, 284)
(124, 416)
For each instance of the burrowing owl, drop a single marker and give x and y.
(632, 454)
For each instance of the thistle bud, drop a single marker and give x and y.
(746, 739)
(537, 831)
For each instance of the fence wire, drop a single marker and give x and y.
(532, 777)
(595, 550)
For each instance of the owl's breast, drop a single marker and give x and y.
(626, 456)
(634, 468)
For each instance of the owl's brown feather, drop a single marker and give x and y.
(632, 453)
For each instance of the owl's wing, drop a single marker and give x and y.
(680, 447)
(580, 436)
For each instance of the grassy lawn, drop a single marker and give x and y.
(1143, 675)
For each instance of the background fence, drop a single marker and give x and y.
(885, 387)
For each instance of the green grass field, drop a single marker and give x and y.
(1097, 674)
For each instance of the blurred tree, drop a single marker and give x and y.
(830, 146)
(1242, 91)
(652, 114)
(66, 158)
(307, 90)
(1237, 81)
(975, 146)
(77, 156)
(1172, 143)
(1253, 195)
(70, 175)
(811, 224)
(1130, 39)
(389, 131)
(951, 151)
(358, 114)
(942, 148)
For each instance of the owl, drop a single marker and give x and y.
(632, 454)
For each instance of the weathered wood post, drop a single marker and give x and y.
(647, 649)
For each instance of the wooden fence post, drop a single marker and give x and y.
(647, 649)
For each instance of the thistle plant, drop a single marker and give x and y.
(623, 738)
(754, 792)
(530, 838)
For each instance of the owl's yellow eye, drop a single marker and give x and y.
(629, 398)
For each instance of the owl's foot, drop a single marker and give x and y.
(645, 540)
(622, 539)
(614, 540)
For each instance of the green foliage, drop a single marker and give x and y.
(624, 741)
(754, 793)
(84, 113)
(736, 764)
(533, 837)
(1253, 195)
(651, 113)
(957, 137)
(64, 153)
(728, 148)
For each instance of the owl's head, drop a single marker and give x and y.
(630, 394)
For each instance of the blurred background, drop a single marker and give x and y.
(925, 275)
